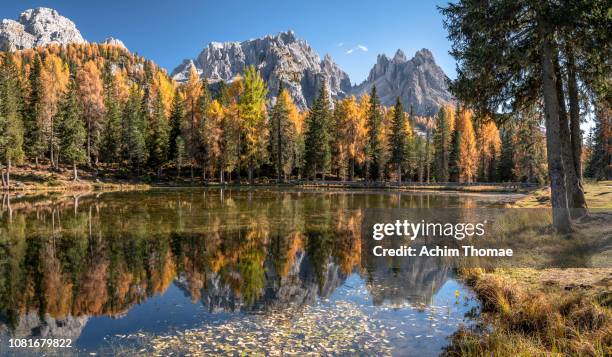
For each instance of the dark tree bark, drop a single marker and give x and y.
(575, 194)
(561, 218)
(576, 135)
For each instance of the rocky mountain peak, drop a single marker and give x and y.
(114, 41)
(400, 57)
(287, 37)
(280, 58)
(419, 82)
(424, 55)
(38, 27)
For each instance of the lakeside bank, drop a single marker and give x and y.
(536, 312)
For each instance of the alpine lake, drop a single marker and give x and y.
(263, 271)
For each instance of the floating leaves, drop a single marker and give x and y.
(322, 329)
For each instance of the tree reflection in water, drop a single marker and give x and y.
(64, 260)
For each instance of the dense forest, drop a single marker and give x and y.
(101, 106)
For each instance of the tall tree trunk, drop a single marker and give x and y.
(251, 179)
(279, 149)
(238, 162)
(561, 218)
(88, 141)
(8, 173)
(75, 177)
(221, 176)
(580, 206)
(575, 194)
(352, 173)
(427, 153)
(51, 140)
(399, 174)
(2, 177)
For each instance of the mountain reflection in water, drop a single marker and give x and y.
(65, 261)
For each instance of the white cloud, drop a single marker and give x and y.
(340, 44)
(357, 48)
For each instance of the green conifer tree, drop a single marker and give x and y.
(454, 155)
(177, 116)
(599, 166)
(11, 125)
(374, 147)
(34, 140)
(111, 137)
(158, 142)
(134, 131)
(317, 140)
(398, 139)
(71, 130)
(506, 163)
(442, 138)
(282, 140)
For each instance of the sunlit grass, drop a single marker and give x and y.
(544, 312)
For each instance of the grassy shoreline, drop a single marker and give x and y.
(531, 312)
(40, 179)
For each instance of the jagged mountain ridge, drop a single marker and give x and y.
(418, 82)
(280, 59)
(42, 26)
(38, 27)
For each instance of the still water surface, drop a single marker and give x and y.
(219, 271)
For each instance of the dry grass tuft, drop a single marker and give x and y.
(533, 322)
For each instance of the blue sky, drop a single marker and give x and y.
(170, 31)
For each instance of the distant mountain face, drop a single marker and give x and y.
(419, 82)
(280, 59)
(38, 27)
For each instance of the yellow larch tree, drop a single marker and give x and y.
(192, 90)
(468, 160)
(489, 149)
(213, 138)
(55, 77)
(164, 86)
(91, 95)
(354, 130)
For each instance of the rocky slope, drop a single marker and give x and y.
(38, 27)
(280, 59)
(419, 82)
